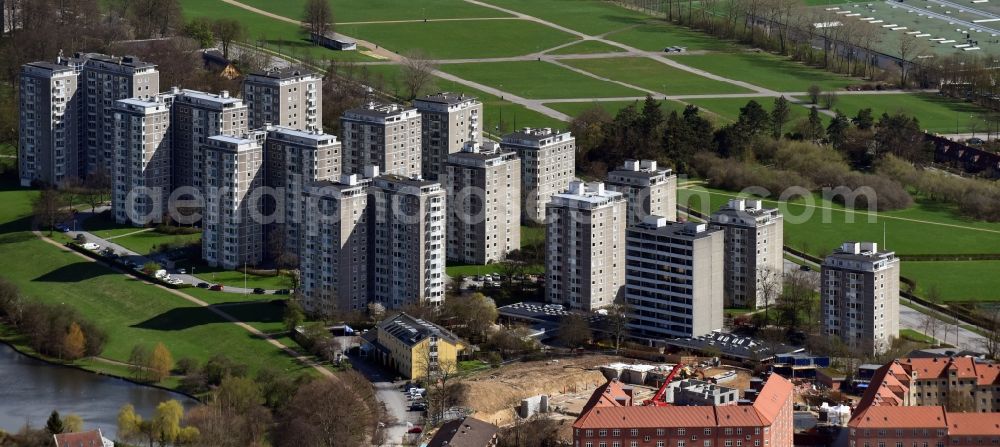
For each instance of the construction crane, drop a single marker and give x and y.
(657, 399)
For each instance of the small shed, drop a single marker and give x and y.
(335, 41)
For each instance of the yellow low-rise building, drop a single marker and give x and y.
(413, 347)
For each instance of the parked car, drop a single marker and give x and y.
(976, 141)
(203, 285)
(282, 292)
(91, 246)
(804, 268)
(182, 271)
(419, 406)
(258, 291)
(216, 287)
(62, 228)
(175, 281)
(415, 430)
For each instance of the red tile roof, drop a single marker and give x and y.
(900, 417)
(773, 395)
(90, 438)
(607, 395)
(973, 424)
(646, 417)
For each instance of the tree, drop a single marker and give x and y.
(200, 30)
(768, 289)
(376, 311)
(910, 47)
(864, 120)
(329, 412)
(574, 330)
(138, 360)
(991, 340)
(129, 423)
(97, 188)
(829, 100)
(237, 395)
(73, 423)
(74, 343)
(54, 425)
(160, 362)
(227, 31)
(474, 314)
(166, 424)
(49, 209)
(814, 92)
(779, 116)
(797, 302)
(929, 324)
(814, 127)
(418, 73)
(150, 267)
(294, 316)
(618, 323)
(318, 19)
(836, 131)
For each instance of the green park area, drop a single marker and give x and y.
(655, 36)
(347, 11)
(530, 236)
(461, 39)
(586, 47)
(539, 80)
(586, 16)
(936, 113)
(656, 76)
(769, 71)
(574, 109)
(130, 311)
(232, 278)
(925, 228)
(145, 242)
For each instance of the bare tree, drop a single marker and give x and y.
(991, 340)
(438, 375)
(418, 73)
(929, 324)
(318, 19)
(769, 285)
(910, 47)
(49, 209)
(228, 31)
(618, 323)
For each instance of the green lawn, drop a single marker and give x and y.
(729, 109)
(529, 236)
(652, 75)
(612, 107)
(514, 115)
(587, 47)
(235, 279)
(586, 16)
(131, 311)
(275, 34)
(148, 241)
(461, 39)
(805, 227)
(105, 228)
(768, 71)
(532, 79)
(370, 10)
(656, 36)
(956, 280)
(913, 335)
(532, 235)
(936, 113)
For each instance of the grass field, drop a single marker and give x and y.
(936, 113)
(913, 335)
(148, 241)
(132, 312)
(586, 16)
(652, 75)
(514, 115)
(540, 80)
(370, 10)
(284, 37)
(235, 279)
(956, 280)
(729, 109)
(805, 228)
(587, 47)
(612, 107)
(768, 71)
(656, 36)
(457, 40)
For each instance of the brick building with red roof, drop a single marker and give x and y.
(907, 402)
(609, 419)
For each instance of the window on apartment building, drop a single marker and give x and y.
(602, 433)
(616, 432)
(634, 432)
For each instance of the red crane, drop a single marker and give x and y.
(657, 399)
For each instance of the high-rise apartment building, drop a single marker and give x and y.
(295, 159)
(197, 116)
(484, 203)
(141, 177)
(383, 135)
(407, 249)
(673, 278)
(585, 246)
(648, 191)
(233, 167)
(754, 239)
(448, 122)
(859, 295)
(48, 138)
(333, 258)
(103, 80)
(288, 97)
(548, 161)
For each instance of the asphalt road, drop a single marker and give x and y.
(388, 390)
